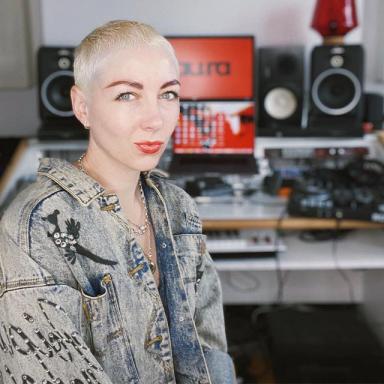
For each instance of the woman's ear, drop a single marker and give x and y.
(79, 105)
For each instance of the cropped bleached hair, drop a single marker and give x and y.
(116, 34)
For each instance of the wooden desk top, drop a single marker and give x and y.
(290, 223)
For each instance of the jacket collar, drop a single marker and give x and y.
(78, 184)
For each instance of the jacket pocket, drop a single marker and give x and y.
(110, 341)
(190, 250)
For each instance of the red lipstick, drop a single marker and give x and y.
(149, 147)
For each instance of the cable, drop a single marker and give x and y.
(340, 270)
(280, 276)
(333, 235)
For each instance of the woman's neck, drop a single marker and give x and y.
(112, 175)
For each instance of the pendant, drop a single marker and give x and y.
(152, 266)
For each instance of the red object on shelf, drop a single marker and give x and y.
(334, 17)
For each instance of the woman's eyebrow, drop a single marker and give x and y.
(140, 86)
(169, 83)
(133, 84)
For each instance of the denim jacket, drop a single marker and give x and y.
(78, 302)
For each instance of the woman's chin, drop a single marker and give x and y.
(148, 165)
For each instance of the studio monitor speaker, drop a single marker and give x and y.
(280, 90)
(373, 111)
(55, 74)
(336, 91)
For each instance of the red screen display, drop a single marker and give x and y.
(215, 68)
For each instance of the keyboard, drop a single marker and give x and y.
(244, 243)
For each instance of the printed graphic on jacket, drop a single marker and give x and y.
(41, 348)
(69, 240)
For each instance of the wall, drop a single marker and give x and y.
(66, 22)
(18, 107)
(374, 43)
(271, 21)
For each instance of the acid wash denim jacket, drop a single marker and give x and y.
(78, 302)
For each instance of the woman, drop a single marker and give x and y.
(104, 275)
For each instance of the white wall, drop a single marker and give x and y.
(271, 21)
(373, 30)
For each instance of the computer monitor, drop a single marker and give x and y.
(215, 67)
(216, 129)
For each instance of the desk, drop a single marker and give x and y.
(263, 211)
(350, 269)
(363, 248)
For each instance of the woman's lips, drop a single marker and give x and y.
(149, 147)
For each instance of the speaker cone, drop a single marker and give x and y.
(336, 91)
(55, 93)
(280, 103)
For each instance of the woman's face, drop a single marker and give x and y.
(132, 105)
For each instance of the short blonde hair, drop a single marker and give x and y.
(116, 34)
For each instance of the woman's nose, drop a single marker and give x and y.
(152, 117)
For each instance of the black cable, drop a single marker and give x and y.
(333, 235)
(340, 270)
(280, 276)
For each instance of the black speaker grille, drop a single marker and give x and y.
(336, 103)
(55, 93)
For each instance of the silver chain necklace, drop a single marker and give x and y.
(140, 229)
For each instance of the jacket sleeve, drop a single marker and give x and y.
(209, 320)
(41, 328)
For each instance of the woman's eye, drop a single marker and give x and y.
(170, 95)
(126, 96)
